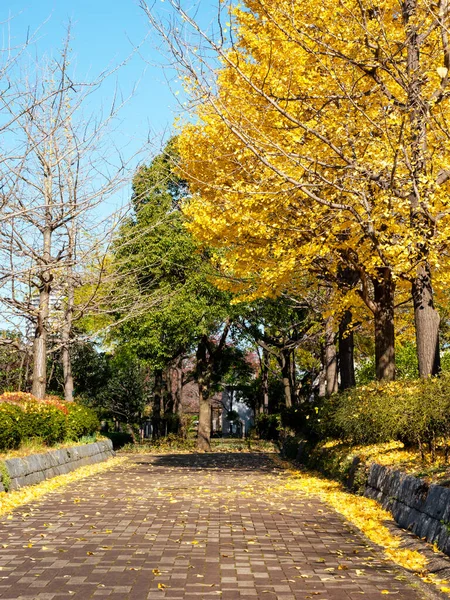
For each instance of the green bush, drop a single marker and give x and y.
(290, 447)
(268, 426)
(305, 419)
(414, 412)
(22, 416)
(45, 421)
(12, 418)
(81, 421)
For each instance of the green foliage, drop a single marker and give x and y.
(12, 419)
(22, 417)
(5, 477)
(81, 421)
(304, 419)
(232, 415)
(290, 447)
(126, 392)
(406, 366)
(414, 412)
(268, 426)
(171, 424)
(162, 266)
(44, 421)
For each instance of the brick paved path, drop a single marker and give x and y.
(188, 527)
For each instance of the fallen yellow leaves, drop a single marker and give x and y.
(366, 514)
(9, 501)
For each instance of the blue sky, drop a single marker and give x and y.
(104, 33)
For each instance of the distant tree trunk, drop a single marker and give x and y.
(167, 396)
(285, 363)
(21, 370)
(293, 378)
(322, 373)
(204, 384)
(207, 356)
(65, 339)
(331, 372)
(384, 288)
(157, 404)
(346, 352)
(177, 386)
(427, 322)
(264, 408)
(40, 336)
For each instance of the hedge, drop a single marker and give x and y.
(81, 421)
(22, 416)
(413, 412)
(12, 420)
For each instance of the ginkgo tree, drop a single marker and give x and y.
(321, 135)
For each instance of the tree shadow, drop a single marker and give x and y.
(217, 461)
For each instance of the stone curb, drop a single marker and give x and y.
(422, 508)
(38, 467)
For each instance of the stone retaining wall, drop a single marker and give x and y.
(415, 505)
(37, 467)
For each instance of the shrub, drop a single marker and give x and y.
(414, 412)
(23, 416)
(11, 422)
(290, 447)
(44, 420)
(268, 426)
(81, 421)
(305, 419)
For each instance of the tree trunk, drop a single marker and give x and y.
(131, 432)
(177, 387)
(66, 354)
(45, 279)
(204, 420)
(264, 408)
(285, 360)
(330, 358)
(207, 356)
(425, 315)
(156, 411)
(39, 363)
(293, 379)
(322, 374)
(427, 322)
(346, 352)
(384, 288)
(68, 376)
(204, 384)
(40, 342)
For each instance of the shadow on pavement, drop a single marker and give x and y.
(233, 461)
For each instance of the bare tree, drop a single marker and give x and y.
(61, 168)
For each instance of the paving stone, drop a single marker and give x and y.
(203, 526)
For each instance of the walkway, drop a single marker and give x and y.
(189, 527)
